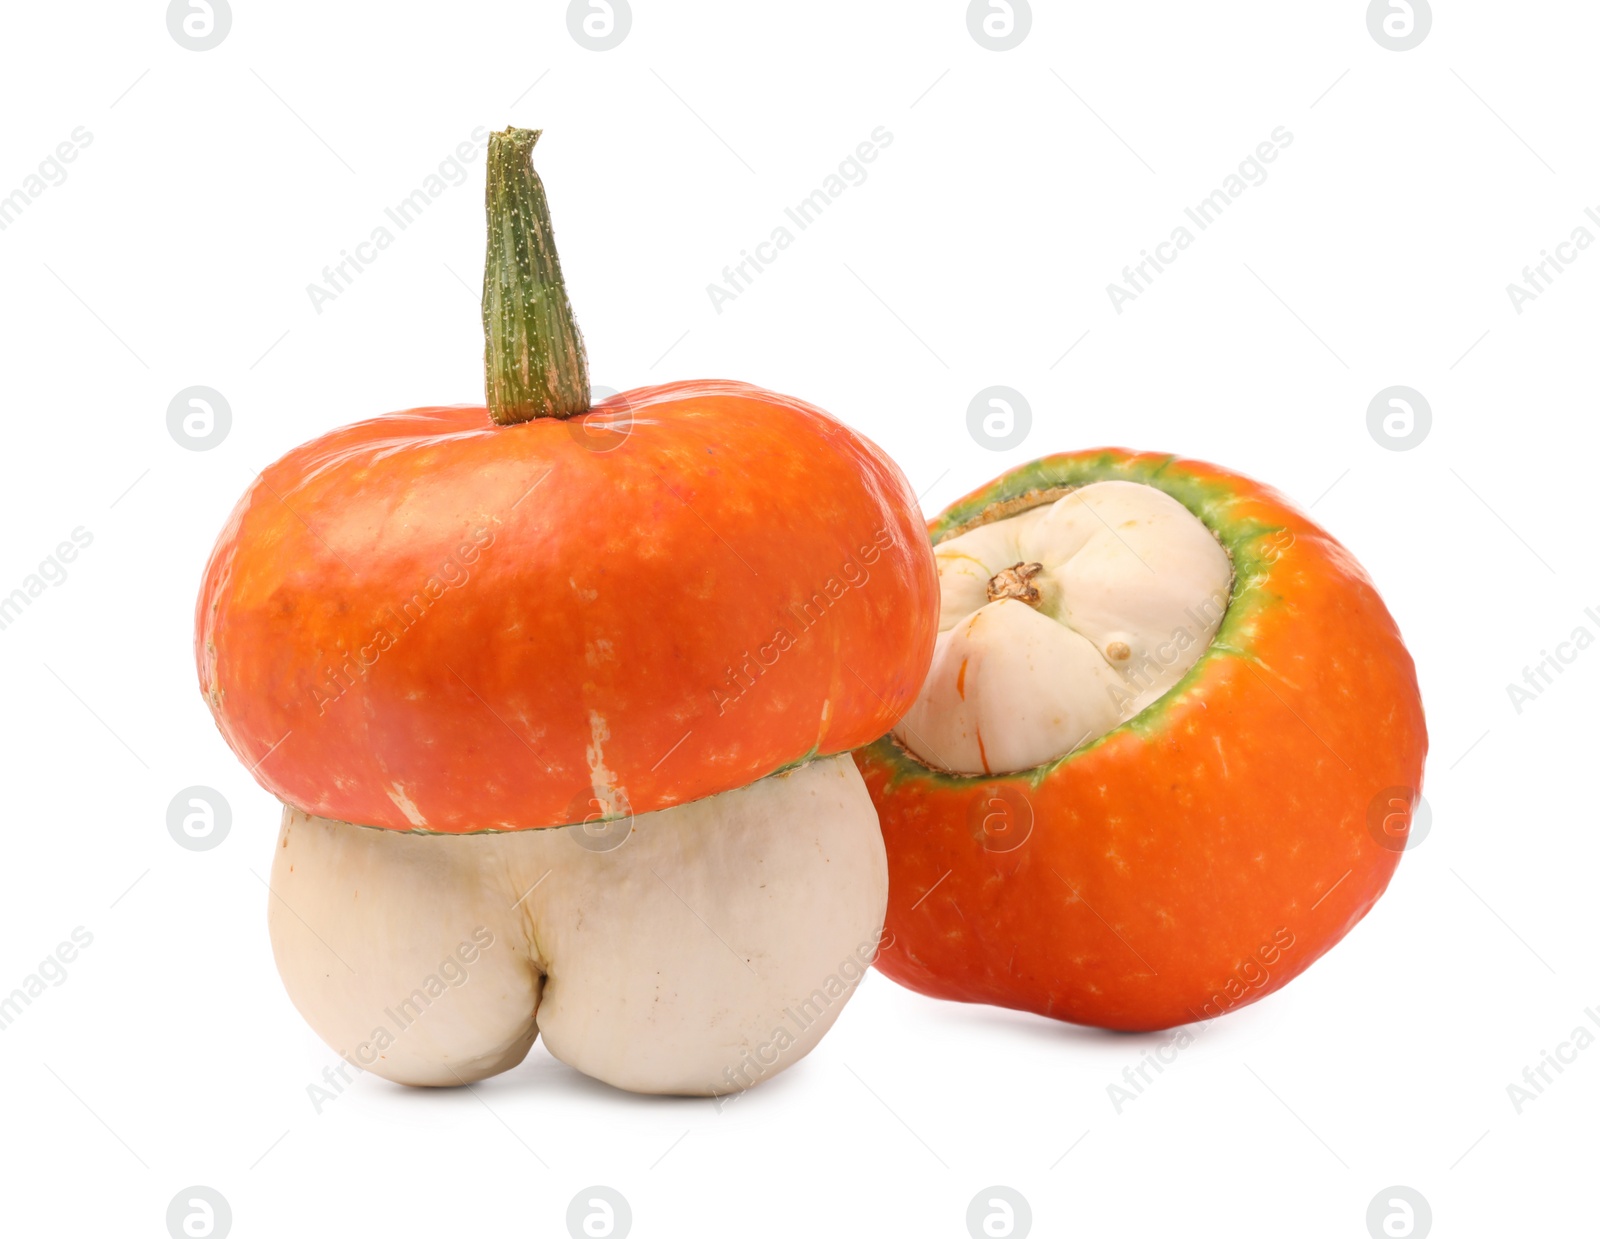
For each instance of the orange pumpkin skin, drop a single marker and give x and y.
(427, 621)
(1201, 855)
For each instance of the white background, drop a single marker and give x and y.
(1017, 186)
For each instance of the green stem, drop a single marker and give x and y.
(533, 359)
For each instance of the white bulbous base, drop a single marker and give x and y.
(698, 952)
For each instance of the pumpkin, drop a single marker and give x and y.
(474, 648)
(1166, 756)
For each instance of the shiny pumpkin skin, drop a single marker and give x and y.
(1201, 855)
(427, 621)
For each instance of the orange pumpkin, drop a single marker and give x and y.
(1205, 852)
(661, 622)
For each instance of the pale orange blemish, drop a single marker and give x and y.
(961, 681)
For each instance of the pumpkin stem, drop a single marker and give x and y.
(533, 359)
